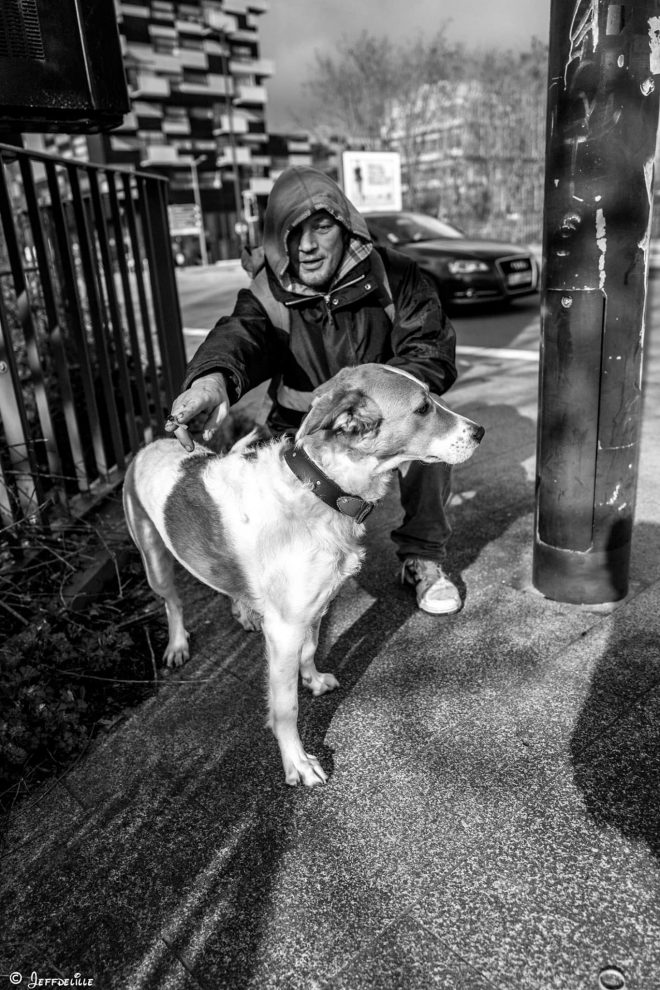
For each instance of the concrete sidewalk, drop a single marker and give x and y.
(492, 814)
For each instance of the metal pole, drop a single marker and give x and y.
(198, 203)
(602, 128)
(229, 103)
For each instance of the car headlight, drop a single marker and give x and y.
(466, 267)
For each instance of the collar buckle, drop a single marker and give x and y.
(355, 507)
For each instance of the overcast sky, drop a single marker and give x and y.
(292, 30)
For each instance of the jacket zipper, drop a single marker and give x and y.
(329, 296)
(300, 302)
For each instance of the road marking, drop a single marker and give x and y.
(501, 353)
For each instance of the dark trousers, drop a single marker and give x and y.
(425, 530)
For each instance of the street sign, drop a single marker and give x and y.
(185, 218)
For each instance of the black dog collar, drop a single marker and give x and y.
(325, 488)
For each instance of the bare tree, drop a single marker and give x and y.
(352, 90)
(478, 114)
(371, 86)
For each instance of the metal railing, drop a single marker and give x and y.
(91, 347)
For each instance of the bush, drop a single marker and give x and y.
(68, 675)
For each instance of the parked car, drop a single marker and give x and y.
(465, 269)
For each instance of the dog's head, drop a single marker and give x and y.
(383, 411)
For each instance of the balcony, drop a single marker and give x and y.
(219, 85)
(236, 6)
(218, 20)
(260, 186)
(165, 63)
(159, 155)
(250, 94)
(257, 137)
(150, 85)
(135, 10)
(252, 67)
(176, 127)
(193, 59)
(239, 125)
(190, 27)
(128, 124)
(225, 158)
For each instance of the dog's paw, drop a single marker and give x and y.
(247, 617)
(177, 652)
(304, 770)
(319, 683)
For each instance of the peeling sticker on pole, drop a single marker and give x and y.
(584, 23)
(601, 241)
(645, 243)
(654, 45)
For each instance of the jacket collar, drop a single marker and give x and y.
(360, 280)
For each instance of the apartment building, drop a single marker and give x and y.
(197, 85)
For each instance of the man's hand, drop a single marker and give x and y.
(208, 395)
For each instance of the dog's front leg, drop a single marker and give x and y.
(284, 644)
(313, 679)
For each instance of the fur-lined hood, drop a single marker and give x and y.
(297, 193)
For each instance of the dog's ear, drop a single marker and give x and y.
(342, 410)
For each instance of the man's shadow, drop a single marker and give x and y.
(615, 745)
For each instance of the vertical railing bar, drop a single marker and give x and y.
(96, 316)
(115, 319)
(71, 294)
(7, 516)
(55, 338)
(128, 300)
(147, 329)
(24, 306)
(165, 298)
(16, 425)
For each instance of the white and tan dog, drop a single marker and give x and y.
(278, 529)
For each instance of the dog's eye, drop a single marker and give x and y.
(424, 408)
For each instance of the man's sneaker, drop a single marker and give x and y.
(435, 592)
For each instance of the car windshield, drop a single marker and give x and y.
(401, 228)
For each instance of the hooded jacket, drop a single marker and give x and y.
(347, 325)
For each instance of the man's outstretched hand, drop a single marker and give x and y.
(207, 395)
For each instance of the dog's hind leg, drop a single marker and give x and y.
(285, 642)
(159, 568)
(317, 682)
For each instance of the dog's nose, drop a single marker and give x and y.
(478, 432)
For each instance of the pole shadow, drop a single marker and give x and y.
(615, 746)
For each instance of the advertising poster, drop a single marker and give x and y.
(372, 179)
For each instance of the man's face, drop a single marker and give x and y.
(316, 248)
